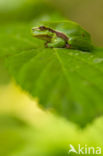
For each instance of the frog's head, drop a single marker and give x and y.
(42, 33)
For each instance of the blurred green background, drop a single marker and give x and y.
(25, 129)
(88, 13)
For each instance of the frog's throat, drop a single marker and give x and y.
(59, 34)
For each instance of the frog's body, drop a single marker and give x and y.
(63, 34)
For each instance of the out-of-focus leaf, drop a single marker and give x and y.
(66, 81)
(12, 135)
(4, 76)
(26, 12)
(17, 138)
(7, 121)
(6, 5)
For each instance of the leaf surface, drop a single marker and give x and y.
(69, 82)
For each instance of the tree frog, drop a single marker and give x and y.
(63, 34)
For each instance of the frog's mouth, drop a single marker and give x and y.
(46, 33)
(42, 34)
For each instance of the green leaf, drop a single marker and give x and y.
(68, 82)
(25, 11)
(20, 139)
(4, 76)
(12, 135)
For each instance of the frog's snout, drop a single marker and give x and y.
(35, 28)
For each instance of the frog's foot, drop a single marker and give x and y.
(51, 45)
(57, 43)
(68, 46)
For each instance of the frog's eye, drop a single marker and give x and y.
(42, 28)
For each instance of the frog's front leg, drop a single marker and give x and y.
(56, 43)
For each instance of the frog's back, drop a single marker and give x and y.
(78, 38)
(69, 28)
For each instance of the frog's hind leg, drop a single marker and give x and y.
(57, 43)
